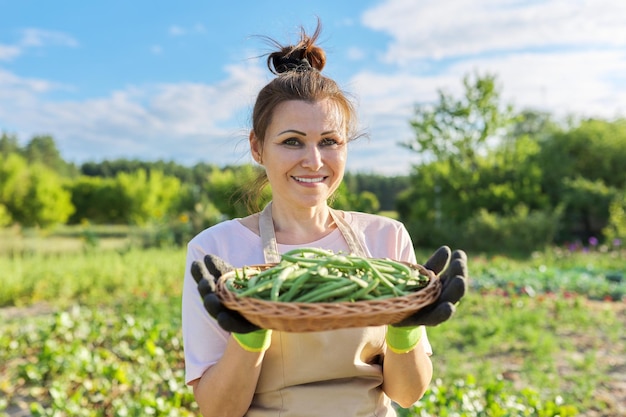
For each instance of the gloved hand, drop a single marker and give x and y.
(248, 335)
(404, 336)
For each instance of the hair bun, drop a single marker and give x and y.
(303, 56)
(286, 63)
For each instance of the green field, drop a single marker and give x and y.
(95, 331)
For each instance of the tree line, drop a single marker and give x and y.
(38, 188)
(497, 178)
(490, 177)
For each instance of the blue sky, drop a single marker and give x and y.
(176, 80)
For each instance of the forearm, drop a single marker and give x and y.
(406, 376)
(227, 388)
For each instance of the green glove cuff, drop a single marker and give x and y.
(257, 341)
(403, 339)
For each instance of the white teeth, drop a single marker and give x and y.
(309, 180)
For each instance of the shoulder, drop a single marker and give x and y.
(216, 231)
(221, 235)
(383, 237)
(372, 222)
(230, 240)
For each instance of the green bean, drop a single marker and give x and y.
(327, 292)
(268, 272)
(298, 283)
(278, 281)
(395, 269)
(360, 294)
(314, 275)
(255, 289)
(381, 277)
(361, 282)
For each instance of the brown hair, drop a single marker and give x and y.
(298, 68)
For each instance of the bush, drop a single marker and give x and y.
(32, 195)
(524, 231)
(465, 398)
(615, 231)
(5, 216)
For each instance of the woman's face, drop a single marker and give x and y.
(304, 152)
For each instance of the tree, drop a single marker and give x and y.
(455, 130)
(584, 168)
(110, 169)
(98, 200)
(385, 188)
(147, 196)
(587, 204)
(615, 230)
(345, 199)
(34, 195)
(5, 216)
(8, 144)
(43, 150)
(479, 171)
(225, 188)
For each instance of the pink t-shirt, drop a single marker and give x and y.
(204, 340)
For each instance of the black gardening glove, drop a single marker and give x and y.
(453, 286)
(205, 273)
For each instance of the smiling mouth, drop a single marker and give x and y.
(309, 180)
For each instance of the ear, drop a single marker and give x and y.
(256, 148)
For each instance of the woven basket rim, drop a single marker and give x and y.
(299, 316)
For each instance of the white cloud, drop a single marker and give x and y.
(561, 83)
(394, 92)
(560, 56)
(175, 30)
(437, 29)
(186, 122)
(14, 86)
(8, 52)
(386, 102)
(355, 54)
(33, 37)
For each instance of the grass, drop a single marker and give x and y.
(90, 277)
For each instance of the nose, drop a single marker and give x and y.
(312, 158)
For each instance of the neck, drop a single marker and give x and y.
(298, 226)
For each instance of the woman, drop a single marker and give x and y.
(302, 123)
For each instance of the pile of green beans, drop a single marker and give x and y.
(310, 275)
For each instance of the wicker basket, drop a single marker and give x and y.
(311, 317)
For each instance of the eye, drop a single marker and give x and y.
(329, 142)
(291, 142)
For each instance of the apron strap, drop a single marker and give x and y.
(270, 245)
(268, 235)
(354, 243)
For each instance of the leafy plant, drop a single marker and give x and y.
(97, 362)
(113, 345)
(465, 398)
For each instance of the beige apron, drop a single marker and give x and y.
(330, 373)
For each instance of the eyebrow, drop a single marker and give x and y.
(304, 134)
